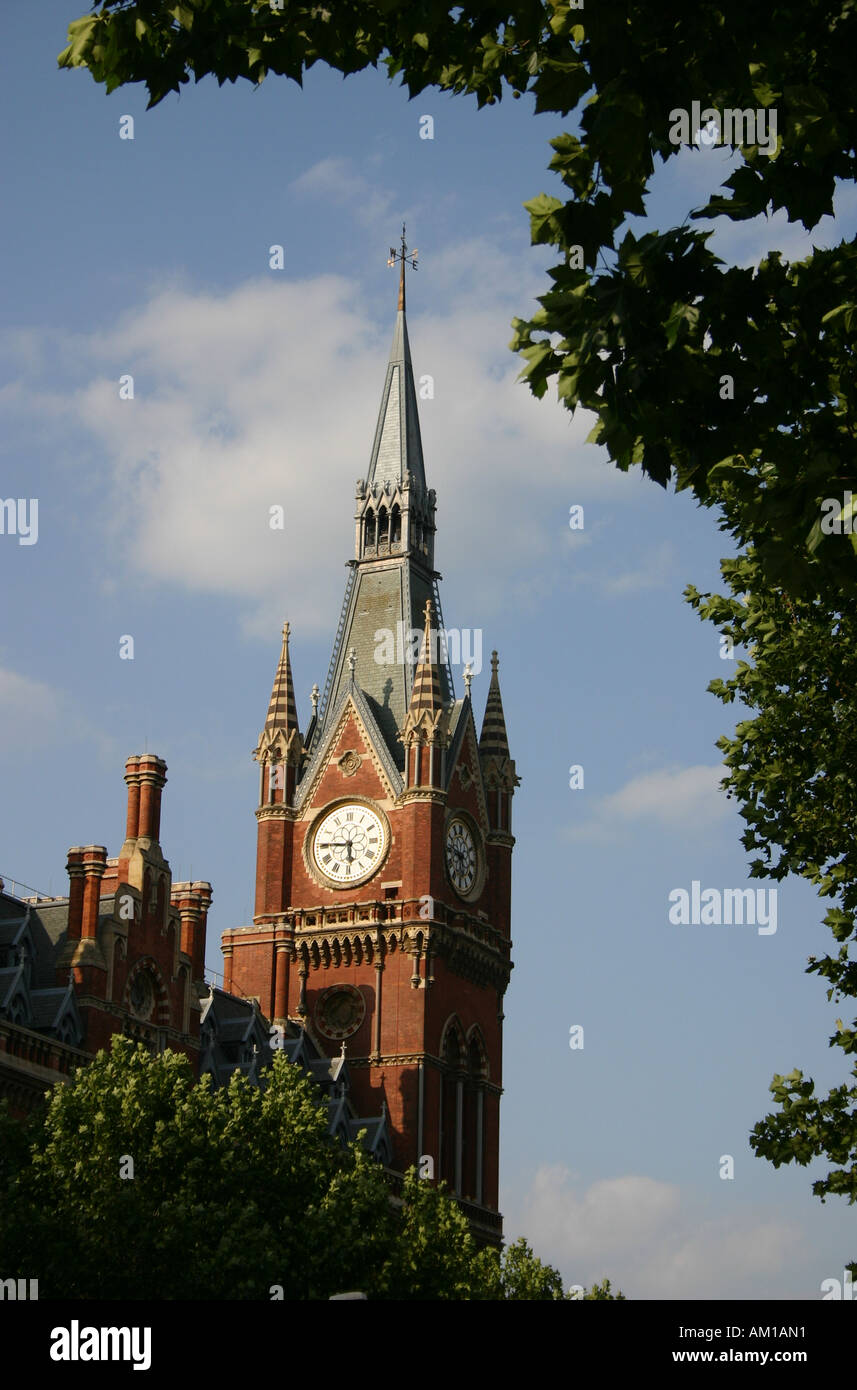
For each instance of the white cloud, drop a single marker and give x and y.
(268, 395)
(652, 573)
(671, 797)
(35, 716)
(651, 1239)
(28, 708)
(337, 180)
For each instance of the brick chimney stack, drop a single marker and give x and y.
(193, 901)
(203, 891)
(132, 780)
(75, 871)
(152, 774)
(94, 867)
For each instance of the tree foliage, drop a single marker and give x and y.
(791, 767)
(136, 1182)
(600, 1293)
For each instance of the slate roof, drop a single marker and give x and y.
(52, 1010)
(12, 930)
(10, 978)
(390, 599)
(47, 1006)
(30, 937)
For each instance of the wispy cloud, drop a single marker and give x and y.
(35, 717)
(238, 407)
(341, 183)
(653, 572)
(672, 798)
(26, 706)
(652, 1239)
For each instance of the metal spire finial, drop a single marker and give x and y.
(403, 257)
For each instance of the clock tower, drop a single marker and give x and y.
(383, 874)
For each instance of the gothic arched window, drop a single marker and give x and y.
(473, 1161)
(451, 1105)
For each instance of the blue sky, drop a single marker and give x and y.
(255, 387)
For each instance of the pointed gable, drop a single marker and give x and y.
(464, 781)
(353, 722)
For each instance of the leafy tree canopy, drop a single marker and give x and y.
(791, 766)
(136, 1182)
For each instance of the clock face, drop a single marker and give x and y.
(349, 844)
(461, 862)
(340, 1011)
(142, 995)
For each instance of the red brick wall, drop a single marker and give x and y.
(412, 1019)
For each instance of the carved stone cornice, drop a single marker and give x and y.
(472, 959)
(500, 837)
(423, 794)
(411, 1059)
(276, 811)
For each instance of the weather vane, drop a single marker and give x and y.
(403, 257)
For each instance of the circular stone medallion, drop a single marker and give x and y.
(339, 1011)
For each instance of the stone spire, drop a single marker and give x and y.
(498, 769)
(282, 710)
(426, 697)
(427, 719)
(493, 741)
(397, 447)
(280, 747)
(392, 573)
